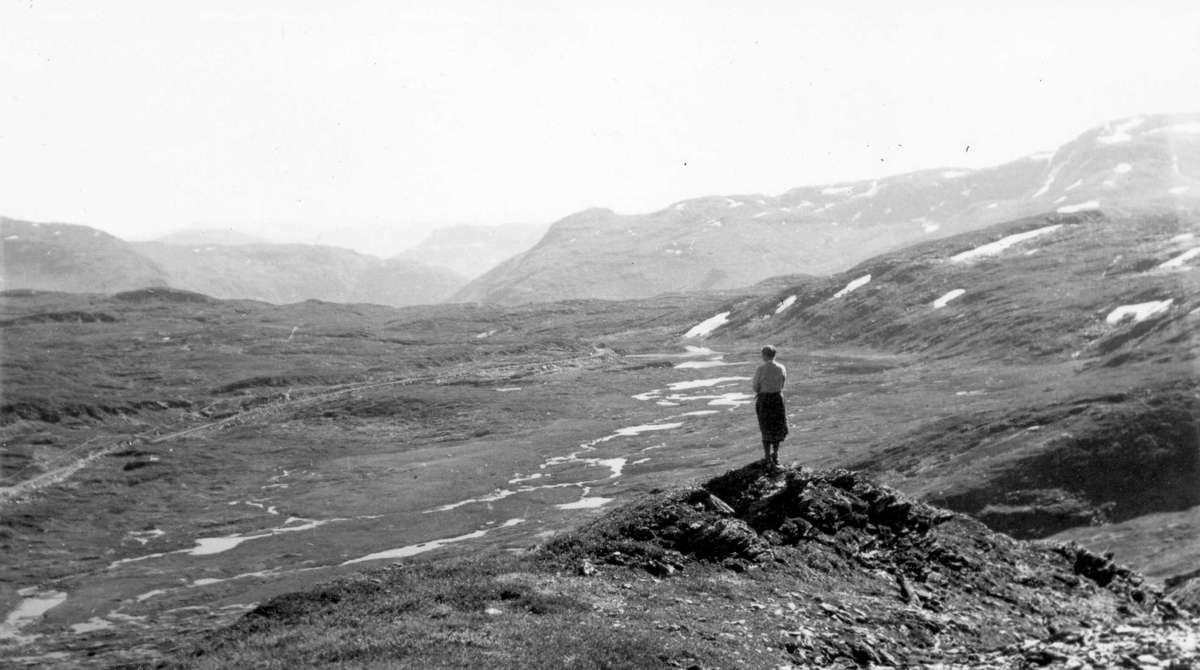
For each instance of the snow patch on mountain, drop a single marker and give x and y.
(857, 283)
(791, 300)
(1139, 312)
(942, 301)
(1049, 180)
(1121, 132)
(1000, 245)
(1192, 128)
(1179, 260)
(1071, 209)
(708, 325)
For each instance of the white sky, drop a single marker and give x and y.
(143, 117)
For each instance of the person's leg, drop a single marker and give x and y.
(766, 451)
(775, 453)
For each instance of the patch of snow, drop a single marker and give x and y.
(1179, 260)
(760, 215)
(836, 190)
(677, 252)
(1121, 132)
(145, 536)
(702, 412)
(791, 300)
(93, 624)
(930, 226)
(414, 549)
(585, 503)
(1139, 312)
(1122, 168)
(732, 399)
(667, 403)
(708, 325)
(681, 205)
(955, 174)
(1058, 200)
(856, 217)
(498, 494)
(1041, 156)
(481, 336)
(733, 203)
(870, 192)
(1183, 237)
(1177, 190)
(1192, 128)
(1002, 244)
(966, 193)
(1071, 209)
(941, 302)
(13, 237)
(857, 283)
(637, 430)
(57, 233)
(214, 545)
(1049, 180)
(707, 364)
(507, 389)
(699, 383)
(715, 224)
(33, 605)
(518, 479)
(1077, 184)
(994, 205)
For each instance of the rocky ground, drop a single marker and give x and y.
(761, 567)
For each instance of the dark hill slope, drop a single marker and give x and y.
(723, 242)
(75, 259)
(754, 568)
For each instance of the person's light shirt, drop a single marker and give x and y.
(769, 378)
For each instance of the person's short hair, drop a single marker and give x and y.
(768, 352)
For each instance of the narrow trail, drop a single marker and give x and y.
(150, 437)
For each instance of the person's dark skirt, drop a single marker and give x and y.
(772, 416)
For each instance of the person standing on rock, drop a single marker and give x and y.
(768, 405)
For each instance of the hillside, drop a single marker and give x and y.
(284, 273)
(65, 257)
(471, 250)
(725, 242)
(79, 259)
(1113, 299)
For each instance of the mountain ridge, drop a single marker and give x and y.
(733, 241)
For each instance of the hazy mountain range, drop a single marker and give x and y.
(716, 242)
(79, 259)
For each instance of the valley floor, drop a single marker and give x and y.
(167, 471)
